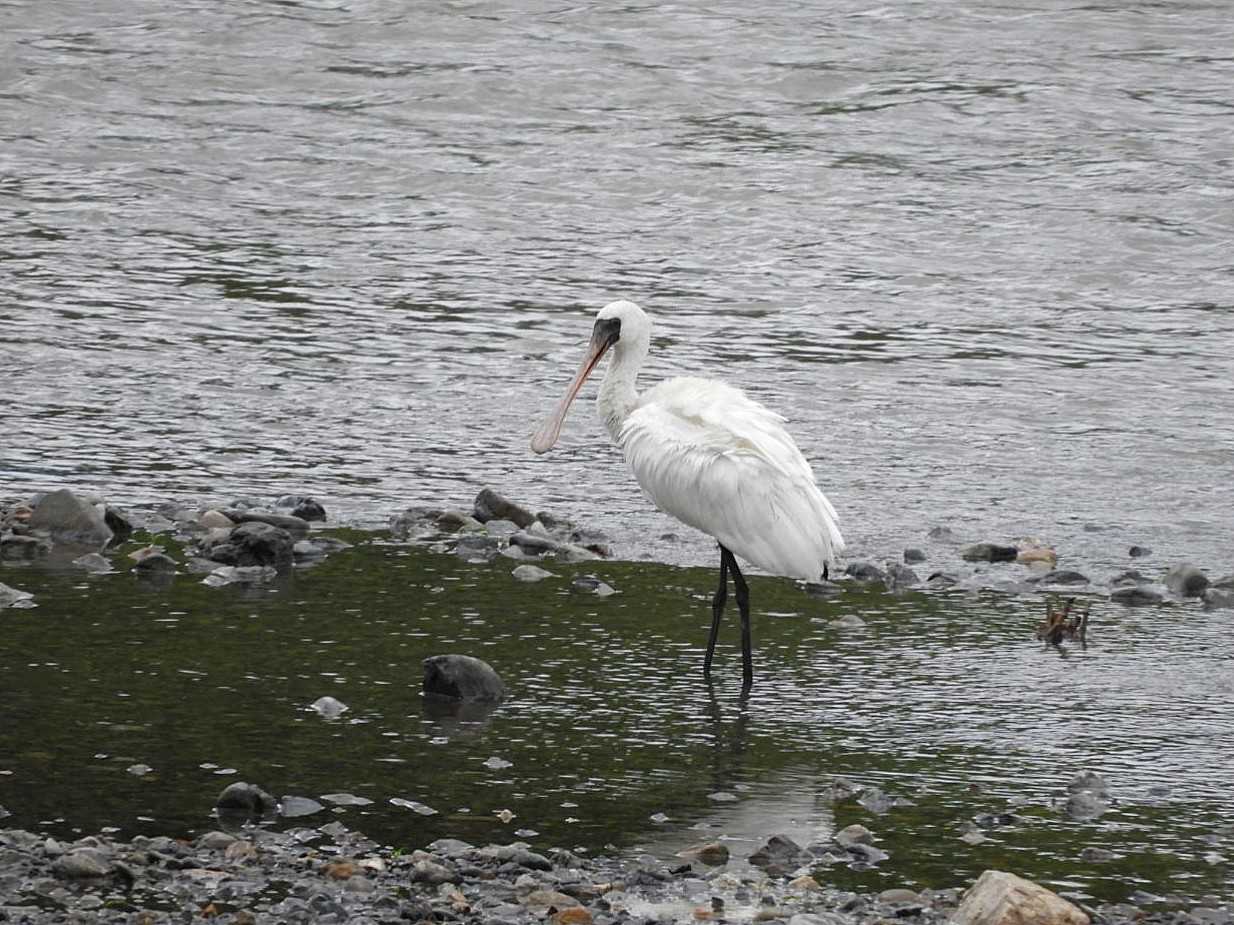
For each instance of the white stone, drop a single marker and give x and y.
(531, 573)
(1001, 898)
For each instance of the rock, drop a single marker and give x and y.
(517, 854)
(70, 520)
(295, 526)
(1097, 855)
(1088, 796)
(151, 559)
(876, 801)
(20, 546)
(94, 563)
(713, 854)
(1060, 577)
(1089, 781)
(1186, 580)
(989, 552)
(489, 505)
(571, 915)
(593, 541)
(1001, 898)
(329, 707)
(866, 573)
(1136, 596)
(866, 854)
(942, 580)
(11, 597)
(1219, 599)
(414, 522)
(898, 896)
(477, 547)
(1139, 552)
(118, 521)
(302, 507)
(900, 575)
(426, 870)
(805, 884)
(1129, 577)
(549, 899)
(590, 584)
(215, 841)
(942, 534)
(855, 834)
(913, 554)
(292, 807)
(779, 855)
(82, 863)
(1037, 554)
(531, 573)
(456, 521)
(462, 677)
(216, 520)
(1084, 805)
(850, 621)
(245, 799)
(241, 575)
(260, 543)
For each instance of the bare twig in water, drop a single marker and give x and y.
(1059, 625)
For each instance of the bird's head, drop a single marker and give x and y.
(617, 323)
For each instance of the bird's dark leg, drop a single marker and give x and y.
(717, 609)
(743, 604)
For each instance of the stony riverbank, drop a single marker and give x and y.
(251, 543)
(332, 874)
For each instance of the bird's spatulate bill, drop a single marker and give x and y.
(546, 435)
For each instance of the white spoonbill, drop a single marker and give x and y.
(713, 458)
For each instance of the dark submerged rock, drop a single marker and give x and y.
(912, 555)
(1139, 552)
(490, 505)
(989, 552)
(1060, 577)
(900, 575)
(300, 506)
(462, 677)
(1136, 595)
(22, 546)
(259, 543)
(246, 800)
(1186, 580)
(866, 573)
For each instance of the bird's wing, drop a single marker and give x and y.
(722, 463)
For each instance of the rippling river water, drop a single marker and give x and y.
(980, 255)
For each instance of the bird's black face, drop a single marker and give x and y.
(606, 332)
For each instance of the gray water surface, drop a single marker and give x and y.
(979, 255)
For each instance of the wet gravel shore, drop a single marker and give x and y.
(332, 874)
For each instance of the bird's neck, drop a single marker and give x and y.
(618, 396)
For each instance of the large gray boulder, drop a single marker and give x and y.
(462, 677)
(71, 520)
(1002, 898)
(257, 543)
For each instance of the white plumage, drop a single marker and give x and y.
(722, 463)
(712, 457)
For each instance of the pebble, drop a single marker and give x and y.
(531, 573)
(329, 707)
